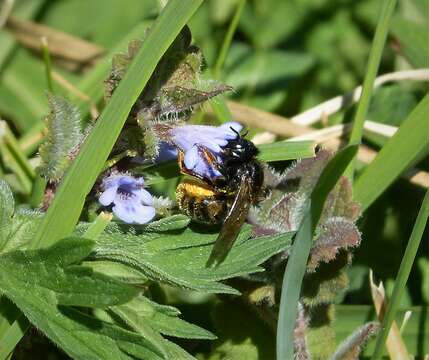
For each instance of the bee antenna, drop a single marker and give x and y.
(238, 134)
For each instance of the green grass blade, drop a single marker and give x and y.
(403, 274)
(411, 139)
(371, 72)
(297, 262)
(13, 335)
(228, 38)
(65, 210)
(286, 150)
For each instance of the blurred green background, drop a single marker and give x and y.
(286, 56)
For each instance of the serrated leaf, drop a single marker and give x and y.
(84, 337)
(176, 352)
(20, 229)
(179, 257)
(174, 222)
(51, 272)
(340, 202)
(335, 235)
(142, 312)
(282, 210)
(118, 271)
(41, 280)
(17, 226)
(63, 135)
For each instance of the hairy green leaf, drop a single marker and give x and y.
(178, 257)
(51, 273)
(43, 280)
(351, 348)
(142, 312)
(64, 133)
(17, 226)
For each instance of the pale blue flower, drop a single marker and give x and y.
(131, 202)
(188, 138)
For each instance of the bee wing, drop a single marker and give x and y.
(234, 220)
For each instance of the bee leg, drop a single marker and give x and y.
(210, 158)
(186, 171)
(182, 166)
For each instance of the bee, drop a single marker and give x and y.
(225, 199)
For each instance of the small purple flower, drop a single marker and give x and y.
(188, 137)
(131, 202)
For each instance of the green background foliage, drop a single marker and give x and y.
(285, 57)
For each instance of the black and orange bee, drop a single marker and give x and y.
(225, 199)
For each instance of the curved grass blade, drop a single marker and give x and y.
(403, 274)
(371, 72)
(68, 202)
(395, 157)
(297, 262)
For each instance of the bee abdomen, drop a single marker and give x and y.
(201, 204)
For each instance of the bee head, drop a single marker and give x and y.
(240, 149)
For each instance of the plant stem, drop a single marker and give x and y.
(228, 38)
(371, 72)
(40, 183)
(403, 274)
(38, 191)
(47, 61)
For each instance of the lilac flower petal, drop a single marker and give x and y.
(232, 124)
(144, 214)
(192, 157)
(124, 211)
(108, 196)
(145, 197)
(130, 210)
(212, 146)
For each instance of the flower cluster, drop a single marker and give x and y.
(135, 205)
